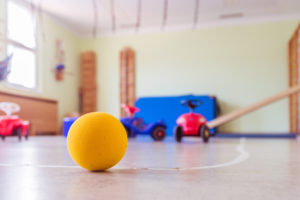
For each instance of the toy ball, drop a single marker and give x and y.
(97, 141)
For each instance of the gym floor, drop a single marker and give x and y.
(41, 168)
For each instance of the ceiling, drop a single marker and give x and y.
(106, 17)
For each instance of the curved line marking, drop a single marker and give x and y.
(243, 156)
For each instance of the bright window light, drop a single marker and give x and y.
(23, 67)
(21, 43)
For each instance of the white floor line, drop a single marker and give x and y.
(243, 156)
(38, 166)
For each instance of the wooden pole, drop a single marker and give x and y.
(235, 114)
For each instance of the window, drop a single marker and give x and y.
(21, 42)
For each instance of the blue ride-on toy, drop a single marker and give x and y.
(136, 125)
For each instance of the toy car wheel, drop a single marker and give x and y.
(3, 137)
(178, 133)
(129, 132)
(19, 133)
(158, 133)
(27, 134)
(204, 132)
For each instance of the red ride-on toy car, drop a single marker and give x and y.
(191, 124)
(12, 124)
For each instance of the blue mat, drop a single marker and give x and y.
(170, 108)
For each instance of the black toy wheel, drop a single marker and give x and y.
(129, 132)
(2, 137)
(27, 134)
(19, 133)
(158, 133)
(204, 133)
(178, 133)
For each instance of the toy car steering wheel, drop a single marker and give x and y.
(192, 103)
(9, 107)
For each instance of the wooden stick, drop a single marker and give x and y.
(235, 114)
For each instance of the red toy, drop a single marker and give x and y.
(12, 124)
(191, 124)
(130, 110)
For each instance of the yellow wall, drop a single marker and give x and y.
(66, 91)
(240, 65)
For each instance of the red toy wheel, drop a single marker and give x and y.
(158, 133)
(178, 133)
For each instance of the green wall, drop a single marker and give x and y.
(238, 64)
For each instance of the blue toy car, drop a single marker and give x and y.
(136, 125)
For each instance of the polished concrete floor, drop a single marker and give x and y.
(222, 169)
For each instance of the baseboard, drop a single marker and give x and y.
(257, 135)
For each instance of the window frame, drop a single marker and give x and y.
(25, 5)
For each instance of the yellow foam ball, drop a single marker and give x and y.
(97, 141)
